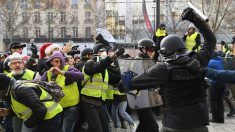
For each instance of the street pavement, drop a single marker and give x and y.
(228, 126)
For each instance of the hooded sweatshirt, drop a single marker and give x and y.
(72, 75)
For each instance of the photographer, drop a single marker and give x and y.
(70, 49)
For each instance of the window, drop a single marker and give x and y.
(51, 32)
(63, 17)
(75, 17)
(75, 32)
(25, 32)
(63, 32)
(88, 32)
(37, 16)
(87, 15)
(74, 3)
(87, 1)
(24, 4)
(24, 16)
(37, 3)
(50, 16)
(38, 32)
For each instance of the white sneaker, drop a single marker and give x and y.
(117, 129)
(132, 128)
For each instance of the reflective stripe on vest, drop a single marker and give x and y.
(71, 92)
(191, 41)
(160, 32)
(28, 75)
(110, 92)
(97, 88)
(24, 112)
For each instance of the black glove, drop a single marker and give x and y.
(119, 51)
(189, 14)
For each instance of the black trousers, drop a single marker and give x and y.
(147, 122)
(216, 101)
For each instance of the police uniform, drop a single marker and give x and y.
(182, 90)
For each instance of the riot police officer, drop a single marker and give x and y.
(182, 90)
(147, 122)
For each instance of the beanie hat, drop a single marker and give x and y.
(15, 56)
(50, 48)
(191, 26)
(42, 50)
(5, 81)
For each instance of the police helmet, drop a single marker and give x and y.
(146, 43)
(171, 44)
(86, 52)
(98, 47)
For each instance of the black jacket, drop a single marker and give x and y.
(30, 97)
(182, 90)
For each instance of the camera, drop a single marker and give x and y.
(75, 50)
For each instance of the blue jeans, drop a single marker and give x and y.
(51, 125)
(68, 118)
(120, 108)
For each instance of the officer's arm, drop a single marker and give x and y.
(209, 37)
(155, 76)
(224, 76)
(30, 98)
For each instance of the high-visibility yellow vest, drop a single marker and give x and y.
(5, 72)
(28, 75)
(24, 112)
(71, 92)
(191, 41)
(225, 48)
(97, 88)
(160, 32)
(109, 92)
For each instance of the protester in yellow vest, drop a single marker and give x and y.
(31, 103)
(19, 72)
(225, 48)
(158, 36)
(65, 76)
(95, 86)
(192, 38)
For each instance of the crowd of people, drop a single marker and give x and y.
(59, 91)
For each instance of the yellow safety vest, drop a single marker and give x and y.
(225, 48)
(5, 72)
(97, 88)
(191, 41)
(71, 92)
(160, 32)
(24, 112)
(28, 75)
(110, 92)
